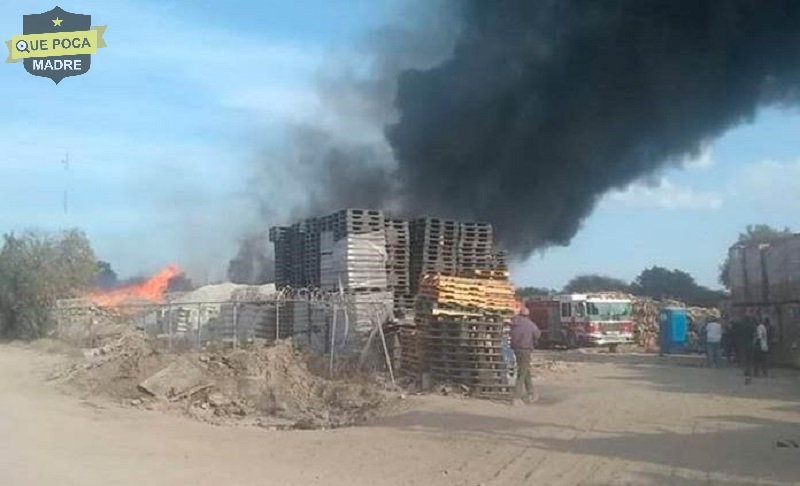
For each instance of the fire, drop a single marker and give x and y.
(152, 290)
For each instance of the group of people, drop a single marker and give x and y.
(745, 341)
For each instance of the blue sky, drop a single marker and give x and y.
(163, 130)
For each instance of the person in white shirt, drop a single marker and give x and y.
(761, 349)
(713, 342)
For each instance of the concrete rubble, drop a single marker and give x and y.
(179, 379)
(267, 386)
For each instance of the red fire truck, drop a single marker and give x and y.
(575, 320)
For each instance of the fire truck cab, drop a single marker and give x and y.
(575, 320)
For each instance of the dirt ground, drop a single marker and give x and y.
(602, 419)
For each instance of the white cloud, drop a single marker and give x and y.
(288, 104)
(703, 160)
(663, 194)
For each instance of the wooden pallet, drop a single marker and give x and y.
(450, 364)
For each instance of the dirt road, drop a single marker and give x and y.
(613, 420)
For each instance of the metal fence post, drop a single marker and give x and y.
(258, 315)
(58, 319)
(91, 332)
(169, 324)
(235, 326)
(278, 317)
(333, 338)
(199, 324)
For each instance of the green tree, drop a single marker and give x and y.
(528, 292)
(106, 276)
(595, 283)
(661, 283)
(35, 270)
(753, 234)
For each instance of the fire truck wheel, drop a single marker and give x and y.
(572, 340)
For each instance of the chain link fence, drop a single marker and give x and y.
(329, 324)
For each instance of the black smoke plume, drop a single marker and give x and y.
(537, 108)
(547, 105)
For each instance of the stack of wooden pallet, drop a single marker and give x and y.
(466, 349)
(434, 248)
(412, 353)
(475, 244)
(398, 263)
(486, 291)
(279, 236)
(310, 254)
(499, 260)
(296, 254)
(460, 324)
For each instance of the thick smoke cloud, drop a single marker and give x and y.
(524, 113)
(547, 105)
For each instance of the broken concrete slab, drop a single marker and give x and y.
(178, 379)
(217, 399)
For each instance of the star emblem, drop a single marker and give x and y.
(57, 22)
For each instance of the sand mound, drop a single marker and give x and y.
(265, 385)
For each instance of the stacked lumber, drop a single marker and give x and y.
(645, 314)
(703, 315)
(485, 292)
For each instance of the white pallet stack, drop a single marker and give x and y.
(354, 262)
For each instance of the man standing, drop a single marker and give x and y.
(761, 348)
(728, 342)
(713, 342)
(524, 334)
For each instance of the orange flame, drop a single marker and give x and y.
(152, 290)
